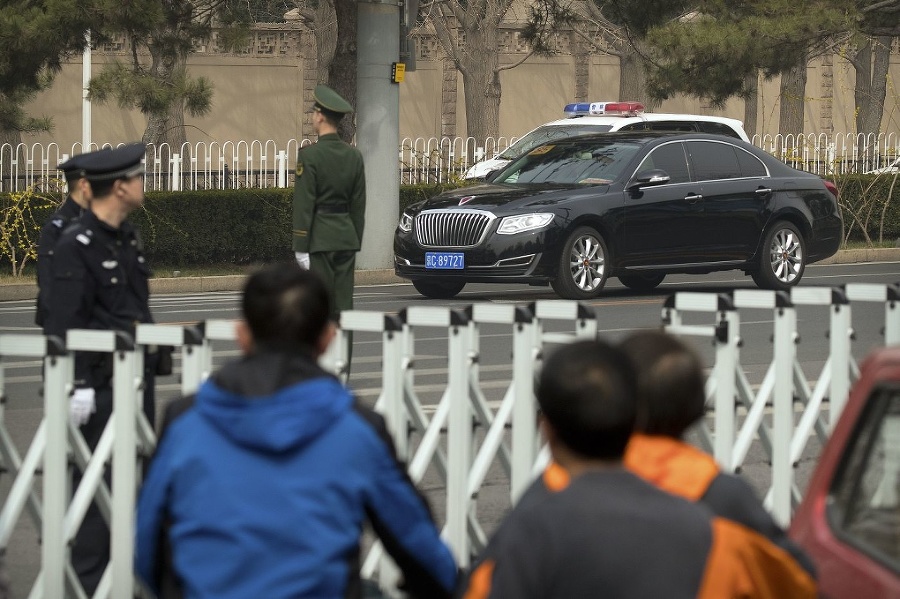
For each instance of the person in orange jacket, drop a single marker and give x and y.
(671, 398)
(590, 528)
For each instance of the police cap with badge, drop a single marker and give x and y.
(123, 162)
(330, 103)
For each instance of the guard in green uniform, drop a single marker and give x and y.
(330, 201)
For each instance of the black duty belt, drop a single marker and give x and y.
(333, 208)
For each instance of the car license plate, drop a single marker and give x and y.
(445, 260)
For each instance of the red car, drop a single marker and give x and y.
(849, 520)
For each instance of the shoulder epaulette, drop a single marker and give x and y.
(85, 237)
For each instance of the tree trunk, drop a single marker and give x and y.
(449, 84)
(793, 99)
(318, 53)
(871, 61)
(13, 138)
(633, 78)
(166, 127)
(751, 104)
(481, 82)
(342, 70)
(582, 57)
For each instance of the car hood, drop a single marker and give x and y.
(510, 198)
(481, 169)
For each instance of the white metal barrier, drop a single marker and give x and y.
(267, 163)
(463, 437)
(784, 383)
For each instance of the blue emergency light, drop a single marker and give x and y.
(603, 108)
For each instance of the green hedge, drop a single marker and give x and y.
(247, 226)
(198, 228)
(870, 203)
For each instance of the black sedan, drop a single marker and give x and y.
(636, 206)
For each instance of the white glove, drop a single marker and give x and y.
(302, 259)
(81, 406)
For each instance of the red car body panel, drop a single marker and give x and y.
(845, 571)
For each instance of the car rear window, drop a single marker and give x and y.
(865, 510)
(717, 128)
(751, 166)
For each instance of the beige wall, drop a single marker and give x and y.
(259, 97)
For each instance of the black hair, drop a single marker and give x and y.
(286, 307)
(586, 392)
(333, 118)
(101, 189)
(671, 386)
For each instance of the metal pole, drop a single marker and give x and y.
(85, 101)
(783, 408)
(378, 127)
(128, 387)
(459, 438)
(58, 369)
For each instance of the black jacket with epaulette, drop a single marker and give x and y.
(100, 281)
(50, 234)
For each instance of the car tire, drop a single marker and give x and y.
(642, 282)
(438, 289)
(583, 268)
(782, 258)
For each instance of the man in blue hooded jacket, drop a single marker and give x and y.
(262, 482)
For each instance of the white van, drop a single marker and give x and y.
(601, 117)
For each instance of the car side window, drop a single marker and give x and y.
(866, 492)
(680, 126)
(713, 160)
(751, 166)
(718, 129)
(670, 158)
(634, 127)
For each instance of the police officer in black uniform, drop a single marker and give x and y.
(73, 207)
(100, 281)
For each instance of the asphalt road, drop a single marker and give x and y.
(619, 311)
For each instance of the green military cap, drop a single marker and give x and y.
(328, 99)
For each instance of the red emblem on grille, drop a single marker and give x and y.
(466, 200)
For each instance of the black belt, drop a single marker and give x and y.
(333, 208)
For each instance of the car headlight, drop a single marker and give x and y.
(406, 222)
(523, 222)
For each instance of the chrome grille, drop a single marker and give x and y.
(452, 228)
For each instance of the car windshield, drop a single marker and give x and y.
(546, 134)
(596, 162)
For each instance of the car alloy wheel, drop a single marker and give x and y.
(582, 265)
(783, 258)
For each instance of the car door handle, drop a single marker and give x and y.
(692, 198)
(763, 191)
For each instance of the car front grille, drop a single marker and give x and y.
(452, 228)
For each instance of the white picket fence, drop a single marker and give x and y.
(258, 163)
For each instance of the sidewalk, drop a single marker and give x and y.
(11, 290)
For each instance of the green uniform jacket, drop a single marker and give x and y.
(329, 197)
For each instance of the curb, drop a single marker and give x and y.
(26, 291)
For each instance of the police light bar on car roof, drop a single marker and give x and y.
(603, 108)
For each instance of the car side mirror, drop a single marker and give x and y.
(649, 178)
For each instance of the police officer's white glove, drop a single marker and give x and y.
(302, 259)
(81, 406)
